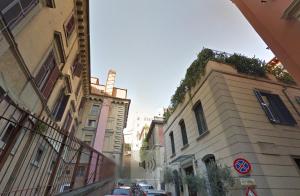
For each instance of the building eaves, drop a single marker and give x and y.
(153, 123)
(82, 10)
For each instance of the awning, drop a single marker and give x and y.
(182, 158)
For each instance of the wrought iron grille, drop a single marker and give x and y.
(39, 158)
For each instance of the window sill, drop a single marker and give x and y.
(185, 147)
(173, 155)
(202, 135)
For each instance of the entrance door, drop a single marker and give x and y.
(176, 180)
(190, 171)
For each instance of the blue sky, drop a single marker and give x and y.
(150, 43)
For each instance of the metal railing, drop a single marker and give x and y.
(39, 158)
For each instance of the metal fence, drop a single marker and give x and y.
(39, 158)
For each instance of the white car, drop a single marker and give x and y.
(144, 186)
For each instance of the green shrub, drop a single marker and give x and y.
(250, 66)
(168, 176)
(243, 64)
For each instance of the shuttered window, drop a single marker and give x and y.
(60, 105)
(14, 10)
(200, 118)
(183, 132)
(78, 89)
(67, 122)
(47, 75)
(297, 161)
(171, 135)
(76, 67)
(60, 46)
(50, 3)
(274, 108)
(70, 26)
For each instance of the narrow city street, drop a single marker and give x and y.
(149, 97)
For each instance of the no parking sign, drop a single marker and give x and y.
(242, 166)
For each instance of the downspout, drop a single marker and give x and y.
(15, 50)
(289, 99)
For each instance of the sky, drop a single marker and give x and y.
(151, 43)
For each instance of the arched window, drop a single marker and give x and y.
(200, 118)
(216, 185)
(183, 132)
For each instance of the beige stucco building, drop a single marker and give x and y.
(103, 118)
(154, 156)
(45, 56)
(44, 69)
(229, 115)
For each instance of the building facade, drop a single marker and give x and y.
(278, 24)
(154, 156)
(44, 75)
(104, 116)
(229, 115)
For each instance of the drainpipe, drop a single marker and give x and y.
(289, 99)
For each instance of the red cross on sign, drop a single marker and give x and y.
(250, 192)
(242, 166)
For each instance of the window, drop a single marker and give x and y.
(80, 171)
(70, 26)
(88, 138)
(78, 89)
(297, 99)
(274, 108)
(76, 67)
(2, 93)
(59, 46)
(92, 123)
(39, 155)
(52, 165)
(67, 123)
(47, 75)
(68, 88)
(172, 143)
(8, 132)
(14, 10)
(200, 118)
(67, 171)
(183, 132)
(297, 161)
(50, 3)
(60, 105)
(95, 109)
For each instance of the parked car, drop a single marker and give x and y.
(152, 192)
(144, 186)
(120, 191)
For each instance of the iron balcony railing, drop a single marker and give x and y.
(39, 158)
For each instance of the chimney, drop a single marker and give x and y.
(110, 82)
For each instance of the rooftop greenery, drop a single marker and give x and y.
(243, 64)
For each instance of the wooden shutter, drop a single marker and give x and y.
(62, 107)
(78, 69)
(283, 114)
(67, 122)
(50, 82)
(40, 76)
(60, 46)
(265, 107)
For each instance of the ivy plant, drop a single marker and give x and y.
(243, 64)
